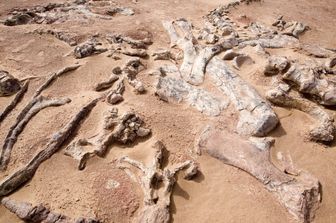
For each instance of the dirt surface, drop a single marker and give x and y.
(220, 193)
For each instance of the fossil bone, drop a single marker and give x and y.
(310, 82)
(36, 106)
(256, 115)
(157, 200)
(125, 129)
(106, 84)
(39, 213)
(88, 48)
(300, 195)
(9, 85)
(24, 174)
(176, 89)
(14, 102)
(324, 130)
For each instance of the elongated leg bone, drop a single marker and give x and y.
(300, 195)
(21, 176)
(324, 130)
(256, 115)
(195, 58)
(14, 102)
(157, 199)
(309, 82)
(39, 213)
(38, 104)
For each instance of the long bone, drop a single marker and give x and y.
(256, 116)
(300, 195)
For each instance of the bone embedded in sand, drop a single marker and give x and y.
(24, 174)
(38, 104)
(323, 130)
(177, 90)
(39, 213)
(124, 129)
(310, 82)
(9, 85)
(256, 116)
(157, 201)
(106, 84)
(87, 49)
(14, 102)
(300, 195)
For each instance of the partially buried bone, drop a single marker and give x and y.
(157, 199)
(124, 129)
(310, 82)
(256, 115)
(324, 130)
(37, 105)
(14, 102)
(26, 173)
(171, 88)
(9, 85)
(300, 195)
(134, 43)
(88, 48)
(39, 213)
(106, 84)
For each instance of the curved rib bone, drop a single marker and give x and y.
(21, 176)
(38, 104)
(324, 130)
(39, 213)
(300, 195)
(256, 115)
(14, 102)
(157, 199)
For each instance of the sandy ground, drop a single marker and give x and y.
(220, 193)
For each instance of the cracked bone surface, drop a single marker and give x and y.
(323, 130)
(300, 195)
(157, 199)
(122, 129)
(173, 88)
(39, 213)
(60, 12)
(310, 82)
(87, 49)
(24, 174)
(39, 103)
(256, 116)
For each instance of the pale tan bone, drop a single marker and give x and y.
(324, 130)
(300, 195)
(24, 174)
(157, 199)
(124, 129)
(39, 213)
(256, 115)
(37, 105)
